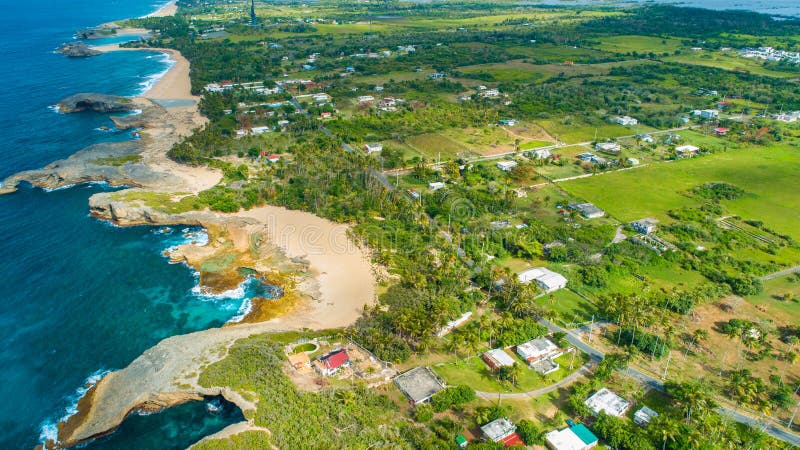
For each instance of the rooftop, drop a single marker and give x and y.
(608, 402)
(498, 429)
(419, 383)
(500, 356)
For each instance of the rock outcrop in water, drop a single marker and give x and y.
(96, 33)
(117, 163)
(77, 50)
(96, 102)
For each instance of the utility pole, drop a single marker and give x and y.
(666, 367)
(789, 425)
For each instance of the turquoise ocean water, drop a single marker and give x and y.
(79, 297)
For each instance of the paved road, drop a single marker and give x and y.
(654, 383)
(782, 273)
(536, 392)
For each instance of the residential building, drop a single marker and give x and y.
(365, 98)
(490, 93)
(644, 226)
(644, 415)
(539, 154)
(721, 131)
(508, 122)
(414, 194)
(706, 113)
(633, 161)
(687, 151)
(436, 185)
(419, 384)
(436, 75)
(538, 349)
(608, 147)
(373, 148)
(588, 210)
(576, 437)
(607, 402)
(506, 166)
(502, 431)
(626, 121)
(497, 359)
(330, 363)
(548, 280)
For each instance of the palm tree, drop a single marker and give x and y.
(668, 428)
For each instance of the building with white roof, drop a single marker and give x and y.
(548, 280)
(626, 121)
(576, 437)
(687, 150)
(497, 358)
(607, 402)
(538, 349)
(506, 166)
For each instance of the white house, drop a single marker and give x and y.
(706, 113)
(644, 415)
(540, 154)
(608, 402)
(576, 437)
(373, 148)
(626, 121)
(436, 185)
(453, 324)
(365, 99)
(506, 166)
(538, 349)
(608, 147)
(644, 226)
(687, 151)
(548, 280)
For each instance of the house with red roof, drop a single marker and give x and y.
(721, 131)
(330, 363)
(503, 432)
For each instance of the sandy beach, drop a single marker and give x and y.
(167, 10)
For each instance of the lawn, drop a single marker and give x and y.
(436, 146)
(570, 307)
(639, 44)
(772, 299)
(475, 373)
(573, 131)
(768, 174)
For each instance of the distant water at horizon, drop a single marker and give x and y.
(78, 296)
(789, 8)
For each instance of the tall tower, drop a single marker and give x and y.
(253, 18)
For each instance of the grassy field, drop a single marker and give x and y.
(768, 174)
(475, 373)
(774, 297)
(569, 306)
(436, 145)
(729, 61)
(573, 131)
(640, 44)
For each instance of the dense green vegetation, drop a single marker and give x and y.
(726, 217)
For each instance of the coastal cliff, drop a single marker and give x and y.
(77, 50)
(139, 163)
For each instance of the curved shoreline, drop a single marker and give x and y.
(330, 277)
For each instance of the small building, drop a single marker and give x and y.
(506, 166)
(500, 224)
(373, 148)
(644, 415)
(626, 121)
(538, 349)
(644, 226)
(508, 122)
(721, 131)
(330, 363)
(436, 185)
(587, 210)
(453, 324)
(608, 147)
(378, 88)
(706, 113)
(607, 402)
(273, 158)
(576, 437)
(548, 280)
(687, 151)
(365, 98)
(326, 114)
(419, 384)
(436, 75)
(647, 138)
(461, 441)
(497, 359)
(539, 154)
(633, 161)
(502, 431)
(490, 93)
(414, 194)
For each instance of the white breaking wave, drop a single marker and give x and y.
(49, 428)
(151, 80)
